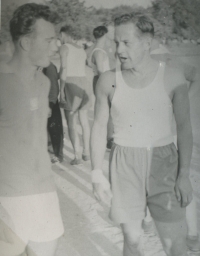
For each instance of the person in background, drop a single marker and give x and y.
(98, 59)
(55, 127)
(27, 188)
(146, 170)
(111, 46)
(75, 92)
(100, 62)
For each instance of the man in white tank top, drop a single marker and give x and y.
(98, 59)
(146, 169)
(101, 61)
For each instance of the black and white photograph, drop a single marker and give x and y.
(99, 128)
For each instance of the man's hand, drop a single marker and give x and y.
(183, 189)
(102, 194)
(101, 187)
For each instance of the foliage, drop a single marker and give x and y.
(174, 19)
(179, 18)
(6, 15)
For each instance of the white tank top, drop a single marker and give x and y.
(106, 65)
(76, 61)
(142, 117)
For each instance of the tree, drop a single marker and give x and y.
(179, 18)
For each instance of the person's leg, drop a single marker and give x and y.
(42, 249)
(132, 239)
(83, 117)
(71, 118)
(191, 218)
(148, 225)
(193, 242)
(173, 237)
(58, 132)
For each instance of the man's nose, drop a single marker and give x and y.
(119, 48)
(54, 46)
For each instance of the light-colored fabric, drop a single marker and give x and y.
(76, 61)
(34, 218)
(106, 65)
(25, 166)
(77, 93)
(142, 117)
(143, 177)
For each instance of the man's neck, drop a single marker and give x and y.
(101, 42)
(22, 66)
(146, 66)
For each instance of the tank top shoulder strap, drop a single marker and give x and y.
(119, 78)
(98, 49)
(159, 79)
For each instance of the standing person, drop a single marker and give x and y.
(111, 46)
(145, 167)
(27, 189)
(100, 62)
(98, 59)
(54, 125)
(75, 92)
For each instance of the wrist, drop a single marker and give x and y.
(184, 172)
(98, 177)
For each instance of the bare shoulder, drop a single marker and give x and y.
(64, 50)
(99, 52)
(106, 82)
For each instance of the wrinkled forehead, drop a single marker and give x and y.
(126, 32)
(44, 29)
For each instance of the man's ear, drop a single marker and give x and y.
(25, 43)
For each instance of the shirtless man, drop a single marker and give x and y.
(27, 191)
(146, 169)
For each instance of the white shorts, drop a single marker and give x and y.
(34, 218)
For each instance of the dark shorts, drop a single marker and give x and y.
(142, 177)
(77, 94)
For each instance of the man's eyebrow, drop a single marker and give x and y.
(52, 37)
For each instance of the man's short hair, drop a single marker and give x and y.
(108, 23)
(69, 30)
(99, 31)
(25, 17)
(142, 22)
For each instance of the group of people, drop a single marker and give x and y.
(139, 101)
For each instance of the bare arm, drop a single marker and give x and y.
(98, 137)
(99, 129)
(63, 70)
(184, 141)
(99, 58)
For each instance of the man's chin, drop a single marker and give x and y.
(125, 66)
(46, 64)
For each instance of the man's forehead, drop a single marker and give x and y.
(44, 28)
(124, 31)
